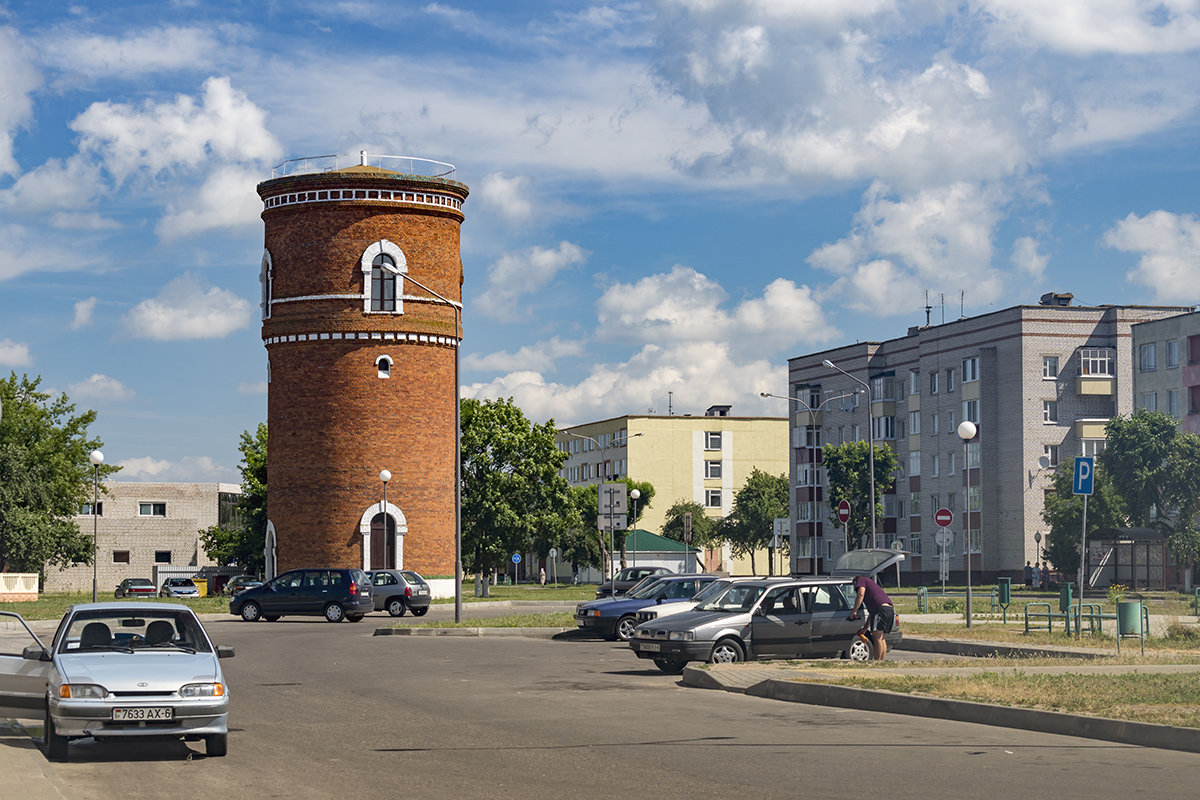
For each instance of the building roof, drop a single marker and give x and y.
(647, 542)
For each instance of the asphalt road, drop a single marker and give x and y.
(323, 710)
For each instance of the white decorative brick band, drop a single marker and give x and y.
(385, 195)
(364, 336)
(359, 296)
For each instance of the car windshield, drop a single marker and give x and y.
(736, 597)
(711, 590)
(644, 590)
(133, 630)
(181, 582)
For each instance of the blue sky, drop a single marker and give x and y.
(668, 196)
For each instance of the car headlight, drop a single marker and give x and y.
(681, 636)
(82, 690)
(202, 690)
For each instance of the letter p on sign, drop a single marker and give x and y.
(1085, 472)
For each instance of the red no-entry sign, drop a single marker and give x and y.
(944, 517)
(844, 512)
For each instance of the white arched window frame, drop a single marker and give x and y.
(383, 365)
(383, 247)
(266, 275)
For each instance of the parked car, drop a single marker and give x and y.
(115, 671)
(178, 587)
(239, 582)
(398, 591)
(802, 617)
(667, 609)
(626, 579)
(136, 587)
(336, 594)
(616, 617)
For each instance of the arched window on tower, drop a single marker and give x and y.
(265, 276)
(383, 283)
(384, 366)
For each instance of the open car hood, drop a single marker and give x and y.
(869, 562)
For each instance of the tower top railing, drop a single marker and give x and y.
(406, 165)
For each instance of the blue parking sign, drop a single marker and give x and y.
(1085, 473)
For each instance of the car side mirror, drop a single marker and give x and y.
(35, 652)
(760, 612)
(225, 651)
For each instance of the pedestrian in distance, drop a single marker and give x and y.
(1028, 576)
(1037, 576)
(881, 616)
(1046, 574)
(542, 576)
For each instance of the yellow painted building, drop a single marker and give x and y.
(706, 459)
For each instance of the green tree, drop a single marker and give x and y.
(1063, 512)
(704, 527)
(847, 468)
(242, 541)
(511, 489)
(751, 522)
(588, 508)
(45, 478)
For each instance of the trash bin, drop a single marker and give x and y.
(1129, 618)
(1064, 598)
(1004, 588)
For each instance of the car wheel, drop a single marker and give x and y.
(671, 666)
(624, 629)
(420, 612)
(334, 612)
(396, 607)
(858, 649)
(727, 651)
(251, 612)
(56, 746)
(216, 744)
(271, 617)
(354, 617)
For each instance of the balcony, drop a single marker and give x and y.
(1095, 385)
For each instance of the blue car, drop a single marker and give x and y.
(615, 618)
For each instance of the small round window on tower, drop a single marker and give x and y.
(384, 365)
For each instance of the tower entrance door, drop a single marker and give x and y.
(383, 543)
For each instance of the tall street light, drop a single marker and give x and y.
(386, 476)
(634, 495)
(966, 432)
(812, 517)
(97, 458)
(870, 437)
(458, 570)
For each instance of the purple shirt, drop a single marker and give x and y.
(875, 596)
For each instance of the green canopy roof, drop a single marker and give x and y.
(648, 542)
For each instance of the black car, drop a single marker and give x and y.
(400, 590)
(626, 579)
(335, 594)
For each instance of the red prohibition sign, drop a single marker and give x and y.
(843, 513)
(944, 517)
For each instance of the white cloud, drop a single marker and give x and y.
(1169, 245)
(222, 124)
(18, 80)
(187, 308)
(255, 388)
(509, 197)
(1028, 258)
(1088, 27)
(56, 185)
(540, 356)
(199, 469)
(14, 354)
(226, 200)
(151, 51)
(515, 275)
(83, 313)
(32, 250)
(100, 388)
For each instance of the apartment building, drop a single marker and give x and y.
(1039, 381)
(144, 529)
(702, 458)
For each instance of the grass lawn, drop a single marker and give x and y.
(53, 606)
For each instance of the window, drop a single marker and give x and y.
(883, 427)
(935, 466)
(1097, 361)
(970, 369)
(914, 382)
(712, 440)
(1173, 402)
(951, 462)
(383, 265)
(152, 509)
(934, 503)
(973, 454)
(1050, 453)
(856, 430)
(1049, 412)
(120, 556)
(950, 380)
(1172, 354)
(950, 423)
(383, 366)
(914, 463)
(933, 382)
(914, 544)
(1150, 401)
(975, 495)
(933, 424)
(976, 538)
(265, 276)
(88, 509)
(712, 498)
(806, 437)
(1049, 368)
(809, 475)
(971, 410)
(162, 556)
(1148, 357)
(914, 423)
(383, 283)
(914, 504)
(883, 388)
(1092, 447)
(712, 469)
(950, 501)
(889, 505)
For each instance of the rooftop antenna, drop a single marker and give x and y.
(670, 404)
(928, 308)
(943, 308)
(962, 303)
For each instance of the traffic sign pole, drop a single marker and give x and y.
(1084, 482)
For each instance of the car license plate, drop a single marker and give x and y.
(142, 713)
(652, 647)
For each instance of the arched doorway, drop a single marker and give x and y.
(383, 543)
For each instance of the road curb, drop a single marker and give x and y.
(528, 633)
(955, 647)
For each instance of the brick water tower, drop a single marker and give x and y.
(361, 301)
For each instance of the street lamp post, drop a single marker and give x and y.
(458, 570)
(812, 517)
(966, 432)
(386, 476)
(870, 437)
(634, 495)
(97, 458)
